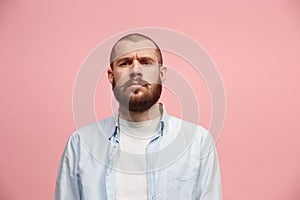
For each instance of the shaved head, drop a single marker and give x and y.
(135, 38)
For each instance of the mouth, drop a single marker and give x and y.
(135, 86)
(136, 83)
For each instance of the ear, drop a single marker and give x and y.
(110, 75)
(163, 73)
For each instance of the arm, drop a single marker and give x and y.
(68, 184)
(209, 182)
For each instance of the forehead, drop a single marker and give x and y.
(127, 47)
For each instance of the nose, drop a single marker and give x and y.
(136, 69)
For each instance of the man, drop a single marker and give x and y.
(141, 152)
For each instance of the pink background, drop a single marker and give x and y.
(255, 45)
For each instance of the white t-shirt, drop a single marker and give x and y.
(134, 138)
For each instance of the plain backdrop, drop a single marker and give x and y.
(255, 44)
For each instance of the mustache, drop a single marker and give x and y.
(137, 81)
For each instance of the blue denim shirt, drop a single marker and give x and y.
(181, 163)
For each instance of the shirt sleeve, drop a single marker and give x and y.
(209, 183)
(68, 183)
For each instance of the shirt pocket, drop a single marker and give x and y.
(181, 185)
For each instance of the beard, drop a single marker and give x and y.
(139, 98)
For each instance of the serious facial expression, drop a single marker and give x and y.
(136, 75)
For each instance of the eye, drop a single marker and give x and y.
(146, 62)
(124, 63)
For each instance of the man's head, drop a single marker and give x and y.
(135, 37)
(136, 72)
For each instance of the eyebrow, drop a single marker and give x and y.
(130, 58)
(122, 59)
(146, 58)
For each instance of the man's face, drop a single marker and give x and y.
(136, 75)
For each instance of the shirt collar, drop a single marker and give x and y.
(163, 122)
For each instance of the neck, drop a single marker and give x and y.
(152, 113)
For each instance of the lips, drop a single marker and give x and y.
(135, 85)
(136, 82)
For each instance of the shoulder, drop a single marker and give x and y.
(187, 126)
(189, 131)
(94, 133)
(91, 139)
(104, 127)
